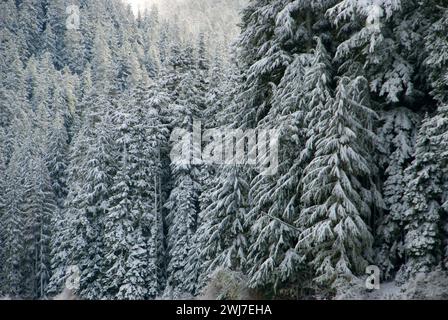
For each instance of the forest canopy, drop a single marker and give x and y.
(91, 92)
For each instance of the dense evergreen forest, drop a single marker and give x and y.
(90, 94)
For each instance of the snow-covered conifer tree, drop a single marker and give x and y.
(338, 188)
(397, 136)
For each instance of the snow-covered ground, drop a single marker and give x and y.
(432, 286)
(67, 294)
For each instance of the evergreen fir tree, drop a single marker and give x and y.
(90, 176)
(424, 199)
(337, 201)
(397, 136)
(224, 230)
